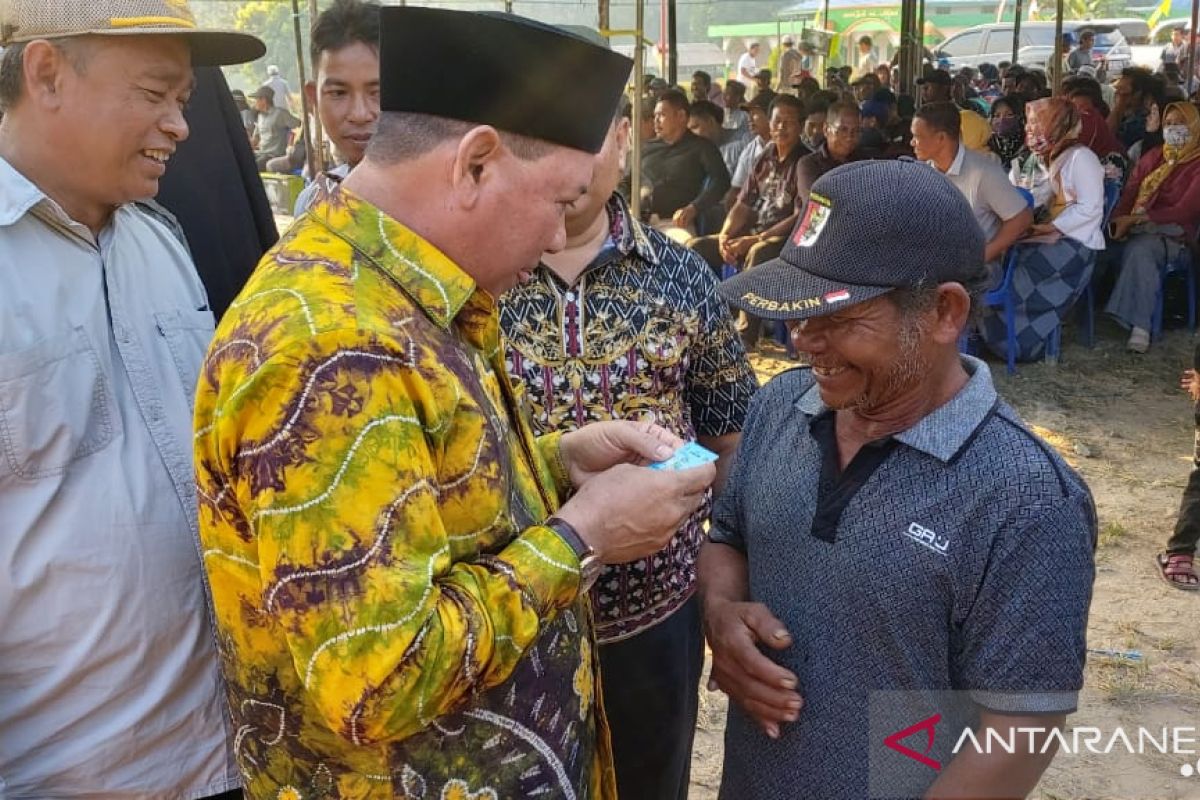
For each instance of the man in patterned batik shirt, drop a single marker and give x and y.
(625, 324)
(400, 614)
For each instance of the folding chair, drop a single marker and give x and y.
(1112, 193)
(1181, 264)
(1002, 297)
(778, 329)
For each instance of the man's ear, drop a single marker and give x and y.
(952, 311)
(45, 69)
(310, 94)
(624, 131)
(476, 158)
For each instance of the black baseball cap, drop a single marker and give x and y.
(869, 227)
(758, 102)
(886, 96)
(939, 77)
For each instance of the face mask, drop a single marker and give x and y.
(1038, 143)
(1176, 135)
(1005, 126)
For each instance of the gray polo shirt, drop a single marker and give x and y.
(954, 555)
(987, 188)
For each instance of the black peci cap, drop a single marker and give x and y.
(510, 72)
(869, 227)
(939, 77)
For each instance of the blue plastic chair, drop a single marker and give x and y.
(779, 329)
(1002, 297)
(1112, 193)
(1181, 264)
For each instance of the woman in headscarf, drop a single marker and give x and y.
(1008, 130)
(1158, 213)
(1094, 132)
(1055, 261)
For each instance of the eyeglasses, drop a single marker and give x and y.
(844, 131)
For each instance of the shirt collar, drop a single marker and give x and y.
(957, 165)
(627, 233)
(798, 152)
(17, 194)
(943, 433)
(437, 284)
(20, 196)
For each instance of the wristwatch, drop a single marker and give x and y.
(589, 562)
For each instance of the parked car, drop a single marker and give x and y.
(993, 43)
(1161, 34)
(1135, 30)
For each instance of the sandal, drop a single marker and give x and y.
(1176, 569)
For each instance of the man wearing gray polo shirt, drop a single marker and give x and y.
(999, 208)
(890, 526)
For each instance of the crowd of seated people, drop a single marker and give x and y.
(1073, 153)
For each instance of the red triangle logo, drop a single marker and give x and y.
(930, 727)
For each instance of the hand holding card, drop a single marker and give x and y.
(686, 457)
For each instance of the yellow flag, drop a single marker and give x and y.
(1163, 9)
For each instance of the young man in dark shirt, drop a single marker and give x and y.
(683, 174)
(843, 124)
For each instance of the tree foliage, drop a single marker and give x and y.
(271, 21)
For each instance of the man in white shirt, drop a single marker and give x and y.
(866, 59)
(1176, 50)
(999, 208)
(760, 128)
(279, 85)
(734, 98)
(110, 684)
(747, 67)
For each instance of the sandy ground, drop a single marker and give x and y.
(1124, 424)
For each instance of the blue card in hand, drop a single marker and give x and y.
(686, 457)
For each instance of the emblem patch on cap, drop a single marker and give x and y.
(814, 220)
(837, 297)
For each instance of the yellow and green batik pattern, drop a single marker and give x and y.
(394, 620)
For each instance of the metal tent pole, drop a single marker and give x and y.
(1191, 81)
(318, 134)
(823, 62)
(1058, 48)
(1018, 12)
(639, 81)
(310, 156)
(908, 14)
(919, 62)
(672, 44)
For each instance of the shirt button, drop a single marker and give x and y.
(570, 297)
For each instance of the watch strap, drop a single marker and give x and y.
(571, 536)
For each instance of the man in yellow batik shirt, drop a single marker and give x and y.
(401, 598)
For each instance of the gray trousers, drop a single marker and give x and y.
(1147, 251)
